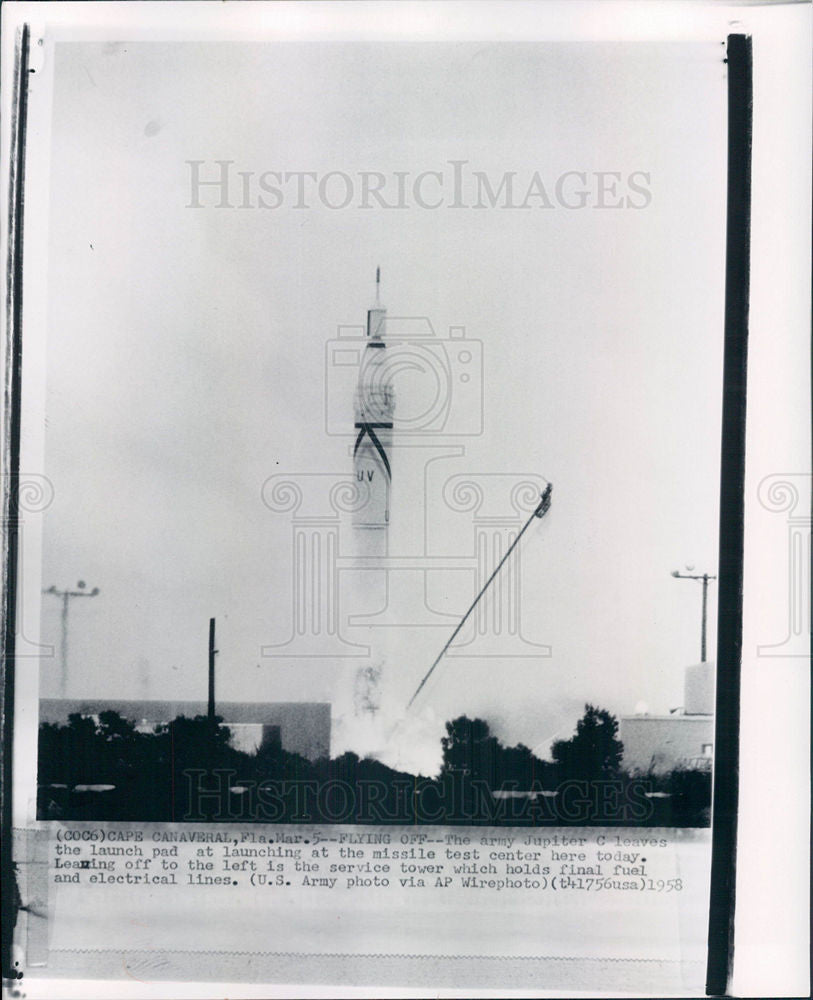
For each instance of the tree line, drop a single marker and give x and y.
(187, 770)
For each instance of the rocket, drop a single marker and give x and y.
(374, 411)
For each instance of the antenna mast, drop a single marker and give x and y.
(212, 653)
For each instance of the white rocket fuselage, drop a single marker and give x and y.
(374, 412)
(368, 712)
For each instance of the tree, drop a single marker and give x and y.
(470, 749)
(113, 726)
(519, 767)
(690, 792)
(195, 740)
(594, 752)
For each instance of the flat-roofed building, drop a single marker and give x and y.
(298, 727)
(682, 739)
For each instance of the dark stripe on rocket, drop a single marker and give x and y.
(368, 429)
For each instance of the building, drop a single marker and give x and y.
(682, 739)
(298, 727)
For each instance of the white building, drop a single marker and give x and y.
(682, 739)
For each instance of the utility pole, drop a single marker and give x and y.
(705, 577)
(212, 653)
(66, 596)
(542, 508)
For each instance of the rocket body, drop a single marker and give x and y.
(374, 411)
(368, 715)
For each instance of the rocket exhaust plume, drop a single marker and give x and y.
(374, 722)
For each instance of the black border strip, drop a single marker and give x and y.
(732, 504)
(11, 481)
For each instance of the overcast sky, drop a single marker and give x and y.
(186, 351)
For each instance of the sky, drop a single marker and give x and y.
(186, 360)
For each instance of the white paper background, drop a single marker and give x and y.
(771, 931)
